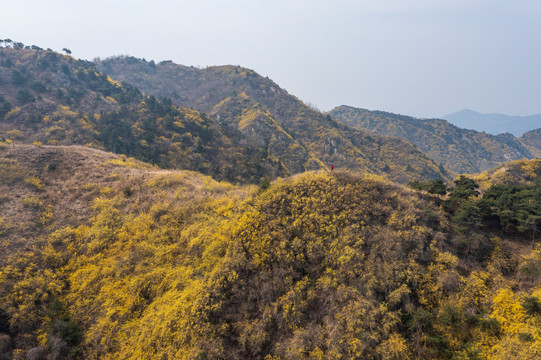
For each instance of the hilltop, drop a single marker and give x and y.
(460, 150)
(45, 188)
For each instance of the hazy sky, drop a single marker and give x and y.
(425, 58)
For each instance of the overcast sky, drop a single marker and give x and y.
(425, 58)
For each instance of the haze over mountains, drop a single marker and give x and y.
(494, 123)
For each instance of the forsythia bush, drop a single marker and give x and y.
(321, 266)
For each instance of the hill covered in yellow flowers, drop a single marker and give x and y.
(130, 261)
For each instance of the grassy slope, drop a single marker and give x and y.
(518, 172)
(49, 187)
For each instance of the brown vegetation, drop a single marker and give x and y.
(168, 264)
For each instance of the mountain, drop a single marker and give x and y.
(222, 92)
(460, 150)
(108, 257)
(49, 187)
(39, 86)
(252, 129)
(494, 123)
(532, 140)
(67, 101)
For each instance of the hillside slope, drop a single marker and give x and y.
(532, 140)
(48, 187)
(45, 188)
(518, 172)
(223, 91)
(174, 265)
(460, 150)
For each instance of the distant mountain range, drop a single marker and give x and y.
(494, 123)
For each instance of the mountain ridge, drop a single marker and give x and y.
(495, 123)
(76, 104)
(327, 140)
(532, 140)
(460, 150)
(56, 99)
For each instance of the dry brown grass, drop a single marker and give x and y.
(71, 177)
